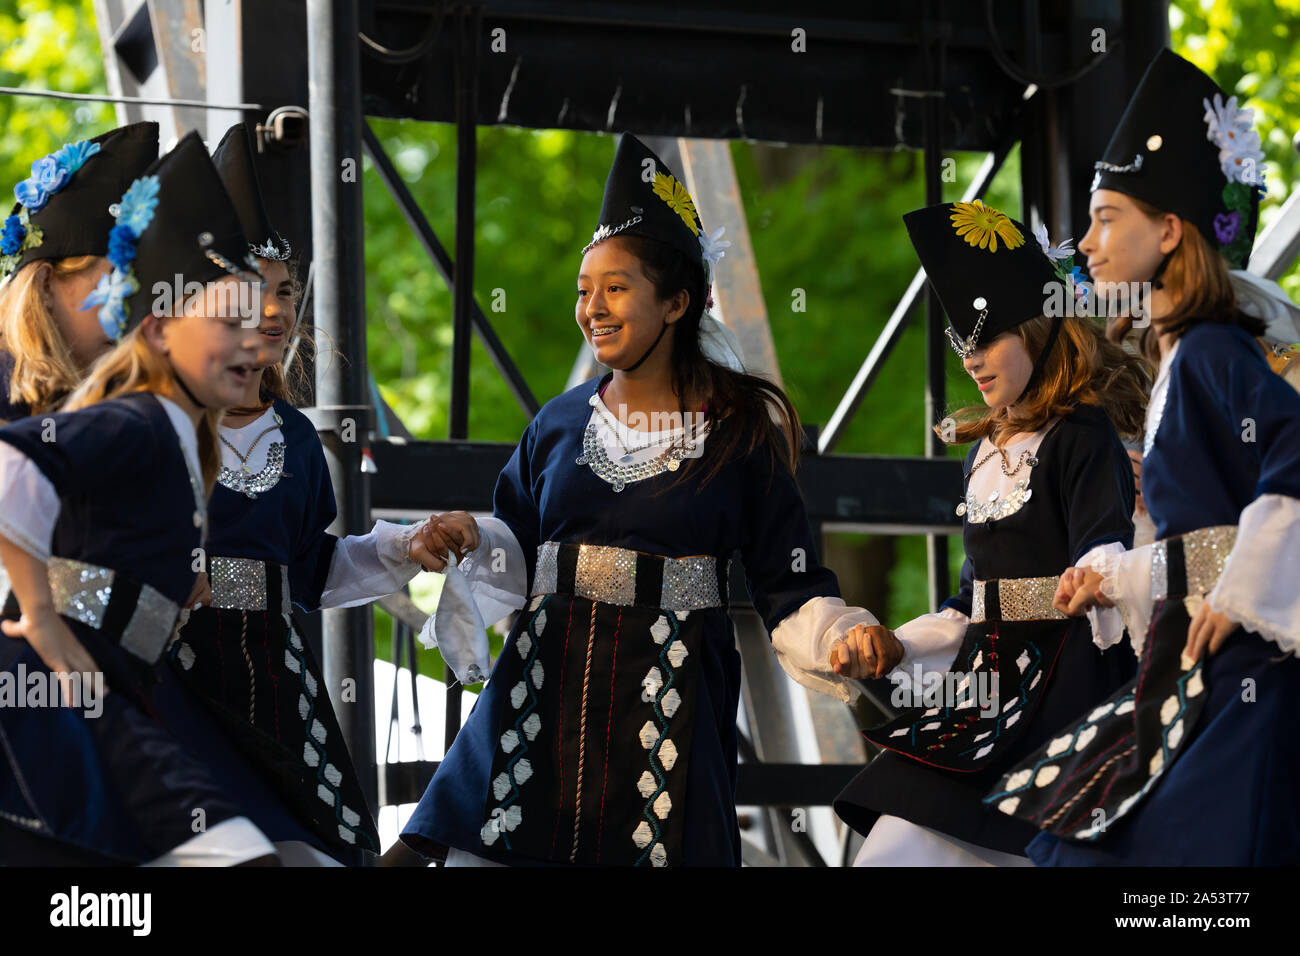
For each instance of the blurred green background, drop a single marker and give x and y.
(823, 220)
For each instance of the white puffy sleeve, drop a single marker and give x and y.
(1258, 588)
(31, 505)
(803, 640)
(1107, 623)
(930, 643)
(366, 567)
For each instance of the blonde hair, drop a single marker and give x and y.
(1083, 367)
(136, 366)
(44, 370)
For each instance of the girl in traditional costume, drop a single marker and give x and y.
(998, 669)
(243, 691)
(607, 733)
(1196, 761)
(104, 512)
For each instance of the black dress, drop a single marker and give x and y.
(940, 762)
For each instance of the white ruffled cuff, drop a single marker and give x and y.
(1107, 623)
(803, 641)
(1126, 580)
(1258, 586)
(369, 566)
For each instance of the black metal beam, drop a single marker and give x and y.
(868, 490)
(437, 253)
(601, 67)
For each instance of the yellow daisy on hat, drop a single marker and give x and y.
(678, 199)
(981, 225)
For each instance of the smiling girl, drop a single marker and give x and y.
(243, 691)
(105, 508)
(1046, 482)
(607, 734)
(1198, 761)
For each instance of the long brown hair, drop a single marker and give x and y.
(744, 411)
(1083, 367)
(135, 366)
(1196, 278)
(44, 370)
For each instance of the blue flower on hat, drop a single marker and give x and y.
(138, 204)
(111, 295)
(72, 156)
(12, 236)
(121, 247)
(51, 173)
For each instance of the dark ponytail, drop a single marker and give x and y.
(744, 412)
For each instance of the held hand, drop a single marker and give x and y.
(57, 647)
(454, 532)
(866, 652)
(1079, 591)
(1209, 629)
(201, 595)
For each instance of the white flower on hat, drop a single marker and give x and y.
(712, 247)
(1064, 251)
(1231, 129)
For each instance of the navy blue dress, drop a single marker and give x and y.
(241, 689)
(121, 789)
(1227, 792)
(938, 763)
(752, 507)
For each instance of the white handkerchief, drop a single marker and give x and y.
(457, 630)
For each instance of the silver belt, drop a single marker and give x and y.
(609, 575)
(83, 591)
(241, 583)
(1205, 552)
(1020, 599)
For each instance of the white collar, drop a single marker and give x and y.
(184, 429)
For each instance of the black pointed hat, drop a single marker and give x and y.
(1185, 147)
(989, 272)
(237, 167)
(62, 208)
(175, 224)
(644, 198)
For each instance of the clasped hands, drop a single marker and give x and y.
(455, 532)
(1079, 591)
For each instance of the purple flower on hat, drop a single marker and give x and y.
(12, 236)
(121, 247)
(1226, 227)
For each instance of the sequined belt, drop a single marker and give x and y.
(1014, 599)
(247, 584)
(1190, 563)
(105, 600)
(630, 578)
